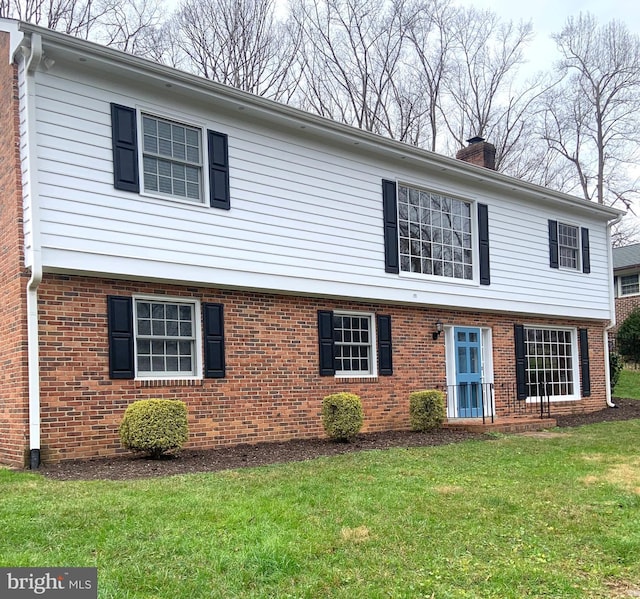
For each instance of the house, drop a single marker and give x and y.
(166, 236)
(626, 280)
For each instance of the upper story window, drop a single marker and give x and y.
(568, 246)
(629, 285)
(172, 158)
(435, 233)
(165, 338)
(176, 162)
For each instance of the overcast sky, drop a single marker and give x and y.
(548, 16)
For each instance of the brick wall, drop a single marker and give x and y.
(272, 390)
(624, 306)
(13, 277)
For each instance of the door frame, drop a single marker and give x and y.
(486, 360)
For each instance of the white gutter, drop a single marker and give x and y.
(612, 311)
(33, 58)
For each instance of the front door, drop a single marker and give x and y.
(468, 372)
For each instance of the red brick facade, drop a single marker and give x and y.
(14, 278)
(624, 307)
(272, 389)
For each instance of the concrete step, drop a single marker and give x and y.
(501, 425)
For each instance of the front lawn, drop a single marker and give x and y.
(628, 384)
(520, 516)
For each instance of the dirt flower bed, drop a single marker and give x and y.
(190, 461)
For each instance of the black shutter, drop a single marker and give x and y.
(125, 150)
(120, 324)
(553, 244)
(325, 342)
(483, 239)
(385, 358)
(521, 366)
(218, 170)
(214, 363)
(586, 256)
(390, 214)
(584, 362)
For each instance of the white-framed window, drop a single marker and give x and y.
(568, 246)
(167, 337)
(551, 362)
(435, 234)
(629, 284)
(354, 341)
(172, 158)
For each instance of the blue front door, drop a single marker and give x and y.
(468, 372)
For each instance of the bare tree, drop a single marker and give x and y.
(131, 25)
(593, 118)
(350, 60)
(238, 42)
(429, 30)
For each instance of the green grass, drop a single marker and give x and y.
(513, 517)
(628, 384)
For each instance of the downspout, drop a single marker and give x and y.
(33, 59)
(612, 311)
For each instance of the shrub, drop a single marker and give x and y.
(426, 410)
(628, 337)
(342, 416)
(616, 364)
(154, 426)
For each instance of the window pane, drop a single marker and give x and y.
(178, 144)
(352, 335)
(160, 352)
(549, 359)
(430, 227)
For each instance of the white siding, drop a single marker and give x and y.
(306, 214)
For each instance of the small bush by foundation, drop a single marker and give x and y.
(426, 410)
(154, 426)
(342, 416)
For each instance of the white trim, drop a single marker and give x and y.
(475, 253)
(181, 120)
(373, 343)
(578, 248)
(197, 329)
(486, 364)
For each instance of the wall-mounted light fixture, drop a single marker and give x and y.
(438, 330)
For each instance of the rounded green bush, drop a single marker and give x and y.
(427, 410)
(155, 426)
(342, 416)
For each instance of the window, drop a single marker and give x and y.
(165, 338)
(172, 158)
(629, 285)
(352, 334)
(568, 246)
(435, 234)
(550, 362)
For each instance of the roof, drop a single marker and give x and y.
(626, 257)
(121, 62)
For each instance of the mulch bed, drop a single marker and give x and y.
(190, 461)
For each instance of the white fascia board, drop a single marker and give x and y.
(314, 124)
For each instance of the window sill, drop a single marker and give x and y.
(144, 383)
(356, 379)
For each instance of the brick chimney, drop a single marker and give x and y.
(478, 152)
